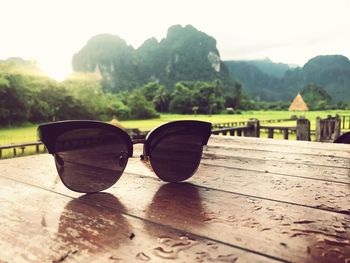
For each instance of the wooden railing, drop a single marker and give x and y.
(233, 131)
(22, 147)
(222, 125)
(277, 120)
(285, 130)
(253, 129)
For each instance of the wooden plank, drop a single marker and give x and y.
(325, 173)
(282, 230)
(280, 146)
(293, 190)
(298, 190)
(48, 227)
(302, 147)
(281, 143)
(275, 228)
(327, 160)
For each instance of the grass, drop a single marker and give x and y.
(19, 134)
(27, 133)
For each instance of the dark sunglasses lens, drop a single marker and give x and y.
(90, 160)
(175, 158)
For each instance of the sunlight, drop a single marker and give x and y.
(55, 72)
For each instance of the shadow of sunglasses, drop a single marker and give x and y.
(90, 156)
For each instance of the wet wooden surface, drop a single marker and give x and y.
(252, 200)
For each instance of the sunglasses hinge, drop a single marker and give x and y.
(144, 158)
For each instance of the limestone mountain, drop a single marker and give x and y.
(185, 54)
(255, 81)
(112, 56)
(332, 72)
(264, 65)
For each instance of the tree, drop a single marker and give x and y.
(207, 96)
(181, 101)
(158, 94)
(13, 100)
(140, 108)
(161, 99)
(316, 97)
(149, 90)
(235, 99)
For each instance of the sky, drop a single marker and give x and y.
(287, 31)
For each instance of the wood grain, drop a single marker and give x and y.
(281, 145)
(40, 226)
(292, 158)
(227, 217)
(249, 213)
(318, 172)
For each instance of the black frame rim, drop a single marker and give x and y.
(49, 132)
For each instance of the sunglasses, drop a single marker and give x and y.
(90, 156)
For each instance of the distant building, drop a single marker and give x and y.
(298, 104)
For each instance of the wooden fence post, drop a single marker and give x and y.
(337, 127)
(303, 129)
(270, 132)
(318, 129)
(254, 128)
(329, 129)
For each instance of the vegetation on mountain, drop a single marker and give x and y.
(316, 97)
(255, 82)
(331, 72)
(266, 66)
(185, 54)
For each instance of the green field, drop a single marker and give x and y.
(27, 133)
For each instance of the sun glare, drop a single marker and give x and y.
(57, 73)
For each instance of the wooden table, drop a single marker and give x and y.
(252, 200)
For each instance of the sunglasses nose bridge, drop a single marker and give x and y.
(143, 156)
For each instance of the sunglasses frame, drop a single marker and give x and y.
(49, 133)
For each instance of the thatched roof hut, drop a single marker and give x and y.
(298, 104)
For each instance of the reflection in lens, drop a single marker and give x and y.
(90, 160)
(176, 157)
